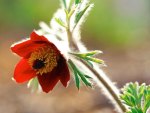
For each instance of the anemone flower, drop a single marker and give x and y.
(41, 59)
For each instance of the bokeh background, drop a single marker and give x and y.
(120, 28)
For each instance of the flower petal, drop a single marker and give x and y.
(23, 71)
(48, 81)
(63, 72)
(24, 48)
(35, 37)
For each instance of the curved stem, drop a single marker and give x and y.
(108, 85)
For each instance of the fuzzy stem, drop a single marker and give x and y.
(108, 85)
(70, 40)
(68, 31)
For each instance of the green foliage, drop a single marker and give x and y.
(80, 14)
(33, 84)
(114, 28)
(136, 97)
(77, 7)
(79, 75)
(89, 57)
(64, 4)
(103, 23)
(77, 1)
(60, 22)
(15, 13)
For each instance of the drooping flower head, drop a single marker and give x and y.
(41, 59)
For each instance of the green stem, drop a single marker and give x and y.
(109, 86)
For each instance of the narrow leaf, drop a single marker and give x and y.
(91, 53)
(85, 81)
(70, 5)
(80, 14)
(134, 110)
(33, 84)
(77, 80)
(77, 1)
(95, 60)
(64, 4)
(89, 63)
(78, 73)
(60, 22)
(147, 105)
(137, 97)
(88, 76)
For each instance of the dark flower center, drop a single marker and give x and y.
(43, 60)
(38, 64)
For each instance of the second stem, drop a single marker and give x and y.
(109, 86)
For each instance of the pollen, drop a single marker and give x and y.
(43, 60)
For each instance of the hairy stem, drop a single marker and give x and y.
(110, 87)
(70, 40)
(101, 77)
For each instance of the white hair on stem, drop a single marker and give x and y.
(109, 89)
(100, 79)
(76, 33)
(83, 18)
(60, 13)
(105, 91)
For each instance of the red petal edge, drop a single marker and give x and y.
(23, 71)
(64, 72)
(24, 48)
(35, 37)
(48, 81)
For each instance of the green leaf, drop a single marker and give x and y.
(88, 57)
(147, 98)
(94, 60)
(84, 79)
(77, 1)
(80, 14)
(70, 5)
(136, 97)
(89, 63)
(77, 80)
(75, 72)
(89, 53)
(33, 84)
(134, 110)
(141, 92)
(60, 22)
(88, 76)
(64, 4)
(131, 98)
(92, 53)
(128, 112)
(125, 100)
(78, 73)
(71, 12)
(139, 110)
(147, 105)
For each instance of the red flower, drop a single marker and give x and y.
(41, 59)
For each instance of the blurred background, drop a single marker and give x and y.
(120, 28)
